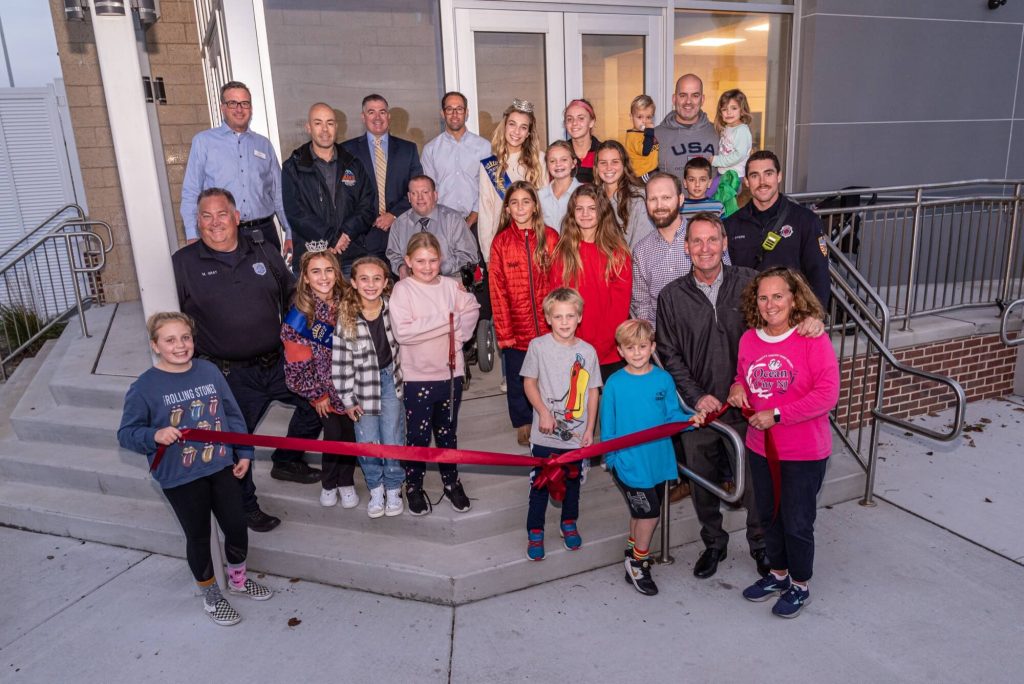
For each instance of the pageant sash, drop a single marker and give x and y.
(320, 333)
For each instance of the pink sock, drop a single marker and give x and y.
(236, 575)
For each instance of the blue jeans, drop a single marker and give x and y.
(789, 539)
(386, 428)
(519, 410)
(539, 497)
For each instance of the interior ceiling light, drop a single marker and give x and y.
(712, 42)
(758, 27)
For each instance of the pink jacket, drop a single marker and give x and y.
(419, 321)
(800, 377)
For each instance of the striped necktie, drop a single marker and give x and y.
(380, 165)
(423, 224)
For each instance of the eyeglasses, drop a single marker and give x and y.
(235, 104)
(454, 110)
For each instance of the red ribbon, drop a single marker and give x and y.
(774, 464)
(552, 474)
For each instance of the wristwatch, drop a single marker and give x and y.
(778, 416)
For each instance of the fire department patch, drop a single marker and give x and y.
(348, 178)
(822, 246)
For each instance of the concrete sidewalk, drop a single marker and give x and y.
(895, 598)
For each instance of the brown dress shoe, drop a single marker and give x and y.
(523, 435)
(678, 492)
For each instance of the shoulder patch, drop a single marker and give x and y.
(823, 246)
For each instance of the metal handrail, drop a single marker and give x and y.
(1004, 324)
(803, 196)
(78, 210)
(72, 239)
(739, 473)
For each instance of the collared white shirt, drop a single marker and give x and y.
(554, 208)
(455, 167)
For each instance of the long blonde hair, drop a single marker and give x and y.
(540, 254)
(608, 238)
(529, 155)
(305, 300)
(352, 304)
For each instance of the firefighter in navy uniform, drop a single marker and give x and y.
(237, 288)
(772, 230)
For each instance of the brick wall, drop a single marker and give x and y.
(173, 49)
(87, 107)
(982, 365)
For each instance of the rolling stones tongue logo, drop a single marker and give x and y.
(770, 374)
(188, 456)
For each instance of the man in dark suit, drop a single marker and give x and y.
(391, 162)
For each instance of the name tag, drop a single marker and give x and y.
(261, 155)
(771, 240)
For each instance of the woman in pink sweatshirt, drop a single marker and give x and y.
(431, 318)
(787, 385)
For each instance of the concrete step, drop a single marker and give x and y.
(439, 557)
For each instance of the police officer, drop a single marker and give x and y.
(236, 290)
(772, 230)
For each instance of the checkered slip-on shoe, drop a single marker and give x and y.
(222, 613)
(257, 592)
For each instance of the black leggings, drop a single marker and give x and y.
(338, 471)
(193, 502)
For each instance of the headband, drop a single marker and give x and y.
(585, 105)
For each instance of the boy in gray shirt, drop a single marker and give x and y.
(561, 377)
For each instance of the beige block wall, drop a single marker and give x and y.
(173, 48)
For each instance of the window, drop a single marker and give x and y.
(326, 51)
(740, 50)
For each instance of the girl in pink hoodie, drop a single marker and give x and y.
(431, 318)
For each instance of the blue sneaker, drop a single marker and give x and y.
(766, 587)
(570, 535)
(791, 602)
(535, 545)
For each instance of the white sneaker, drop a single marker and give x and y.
(328, 497)
(503, 386)
(375, 508)
(349, 498)
(395, 505)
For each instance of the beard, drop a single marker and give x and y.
(665, 220)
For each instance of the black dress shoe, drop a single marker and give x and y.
(295, 471)
(707, 564)
(258, 521)
(760, 557)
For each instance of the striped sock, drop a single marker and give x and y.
(640, 554)
(630, 544)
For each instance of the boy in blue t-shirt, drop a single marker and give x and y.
(638, 397)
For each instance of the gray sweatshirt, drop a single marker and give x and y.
(678, 143)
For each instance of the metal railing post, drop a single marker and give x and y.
(869, 480)
(74, 285)
(1004, 295)
(666, 556)
(915, 240)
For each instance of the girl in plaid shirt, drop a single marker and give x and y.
(368, 377)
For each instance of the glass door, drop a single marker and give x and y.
(550, 58)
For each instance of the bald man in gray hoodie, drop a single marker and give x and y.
(686, 132)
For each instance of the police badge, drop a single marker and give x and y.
(260, 268)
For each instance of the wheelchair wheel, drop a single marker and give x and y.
(485, 349)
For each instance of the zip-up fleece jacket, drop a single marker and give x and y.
(518, 287)
(679, 143)
(699, 343)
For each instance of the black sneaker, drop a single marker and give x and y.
(457, 497)
(416, 500)
(639, 573)
(295, 471)
(258, 521)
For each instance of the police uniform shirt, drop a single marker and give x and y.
(237, 307)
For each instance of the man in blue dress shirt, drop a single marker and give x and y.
(241, 161)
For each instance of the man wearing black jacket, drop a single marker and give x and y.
(772, 230)
(327, 192)
(700, 322)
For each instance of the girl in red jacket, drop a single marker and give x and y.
(592, 257)
(519, 262)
